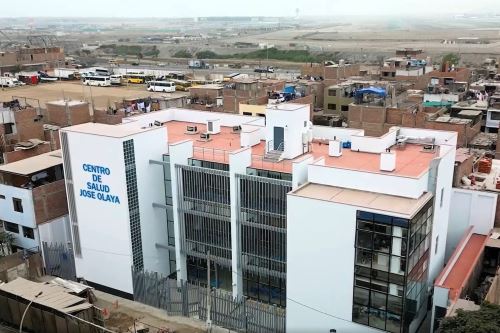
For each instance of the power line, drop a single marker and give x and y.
(239, 274)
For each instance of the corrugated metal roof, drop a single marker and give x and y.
(52, 296)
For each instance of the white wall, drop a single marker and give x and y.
(6, 116)
(440, 98)
(330, 133)
(490, 122)
(7, 212)
(193, 116)
(469, 208)
(26, 218)
(292, 120)
(299, 170)
(442, 137)
(56, 231)
(179, 152)
(104, 227)
(365, 181)
(250, 137)
(373, 144)
(150, 186)
(441, 213)
(238, 163)
(320, 266)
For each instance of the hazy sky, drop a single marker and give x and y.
(193, 8)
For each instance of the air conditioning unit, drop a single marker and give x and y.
(158, 123)
(192, 130)
(236, 129)
(205, 137)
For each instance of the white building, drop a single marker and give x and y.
(33, 201)
(216, 184)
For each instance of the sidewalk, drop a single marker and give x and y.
(123, 312)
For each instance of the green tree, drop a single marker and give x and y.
(207, 55)
(451, 58)
(485, 320)
(6, 242)
(183, 54)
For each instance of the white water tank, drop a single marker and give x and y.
(335, 148)
(388, 161)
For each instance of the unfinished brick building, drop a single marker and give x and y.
(377, 120)
(67, 113)
(32, 58)
(249, 92)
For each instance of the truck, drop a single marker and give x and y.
(198, 64)
(66, 73)
(268, 69)
(10, 82)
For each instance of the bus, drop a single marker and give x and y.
(136, 78)
(195, 83)
(102, 71)
(162, 86)
(181, 85)
(96, 80)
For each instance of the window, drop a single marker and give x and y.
(441, 199)
(18, 205)
(390, 260)
(332, 92)
(28, 233)
(494, 115)
(11, 227)
(344, 108)
(437, 242)
(2, 196)
(332, 106)
(247, 113)
(8, 129)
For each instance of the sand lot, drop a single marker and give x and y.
(102, 96)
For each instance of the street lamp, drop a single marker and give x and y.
(26, 310)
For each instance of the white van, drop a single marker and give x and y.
(161, 86)
(10, 82)
(116, 79)
(96, 80)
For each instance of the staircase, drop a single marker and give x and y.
(275, 155)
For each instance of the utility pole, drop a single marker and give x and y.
(209, 295)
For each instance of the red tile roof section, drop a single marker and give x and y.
(458, 276)
(410, 162)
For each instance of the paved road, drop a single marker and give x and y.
(216, 70)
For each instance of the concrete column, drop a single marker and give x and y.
(238, 162)
(179, 154)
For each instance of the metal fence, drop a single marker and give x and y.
(190, 300)
(59, 260)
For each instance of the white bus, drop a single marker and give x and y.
(95, 80)
(162, 86)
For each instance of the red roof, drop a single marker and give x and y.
(464, 261)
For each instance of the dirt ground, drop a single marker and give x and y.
(75, 90)
(122, 317)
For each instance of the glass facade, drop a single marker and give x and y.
(269, 174)
(205, 216)
(133, 204)
(262, 225)
(390, 280)
(169, 211)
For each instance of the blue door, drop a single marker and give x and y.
(279, 138)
